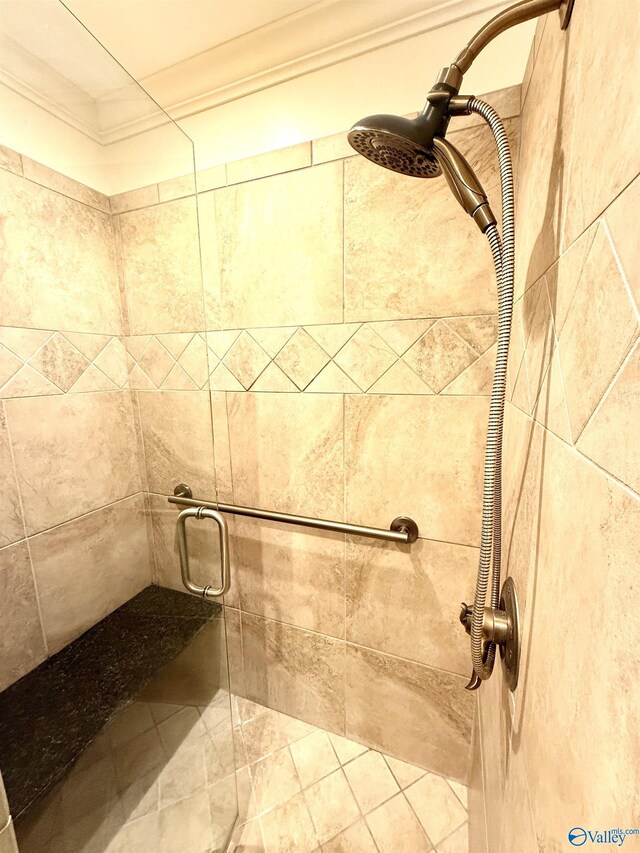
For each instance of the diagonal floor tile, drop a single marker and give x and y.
(438, 809)
(371, 780)
(356, 839)
(332, 805)
(456, 843)
(406, 774)
(288, 828)
(274, 779)
(346, 749)
(395, 827)
(314, 757)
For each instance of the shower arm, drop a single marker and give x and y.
(444, 97)
(516, 14)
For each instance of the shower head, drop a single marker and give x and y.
(400, 144)
(417, 147)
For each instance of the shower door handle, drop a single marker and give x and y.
(201, 512)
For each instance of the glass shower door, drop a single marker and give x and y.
(160, 775)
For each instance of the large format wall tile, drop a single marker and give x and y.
(413, 712)
(477, 822)
(286, 452)
(578, 726)
(417, 456)
(280, 252)
(620, 218)
(209, 257)
(87, 567)
(178, 443)
(59, 267)
(161, 261)
(518, 829)
(21, 642)
(74, 453)
(386, 583)
(232, 619)
(598, 333)
(290, 574)
(571, 530)
(611, 437)
(524, 444)
(417, 254)
(11, 523)
(594, 36)
(297, 672)
(543, 166)
(496, 731)
(53, 180)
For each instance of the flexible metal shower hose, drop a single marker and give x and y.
(491, 538)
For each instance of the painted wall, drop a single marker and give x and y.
(563, 749)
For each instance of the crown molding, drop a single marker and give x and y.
(322, 35)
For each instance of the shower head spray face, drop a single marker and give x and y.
(396, 143)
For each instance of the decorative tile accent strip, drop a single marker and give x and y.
(429, 356)
(171, 362)
(37, 362)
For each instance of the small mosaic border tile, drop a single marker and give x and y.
(425, 356)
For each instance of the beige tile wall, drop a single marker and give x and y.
(565, 749)
(346, 341)
(73, 534)
(342, 334)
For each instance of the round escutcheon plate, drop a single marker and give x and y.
(510, 651)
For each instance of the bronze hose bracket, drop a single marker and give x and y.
(500, 626)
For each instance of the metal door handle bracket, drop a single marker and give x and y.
(201, 512)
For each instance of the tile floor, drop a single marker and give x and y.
(305, 790)
(161, 778)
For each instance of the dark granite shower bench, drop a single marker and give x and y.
(50, 716)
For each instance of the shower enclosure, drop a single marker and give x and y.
(116, 703)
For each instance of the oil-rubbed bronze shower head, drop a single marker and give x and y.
(406, 145)
(400, 144)
(410, 147)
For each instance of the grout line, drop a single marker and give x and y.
(85, 514)
(618, 482)
(422, 826)
(466, 808)
(346, 643)
(63, 194)
(623, 275)
(625, 360)
(453, 832)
